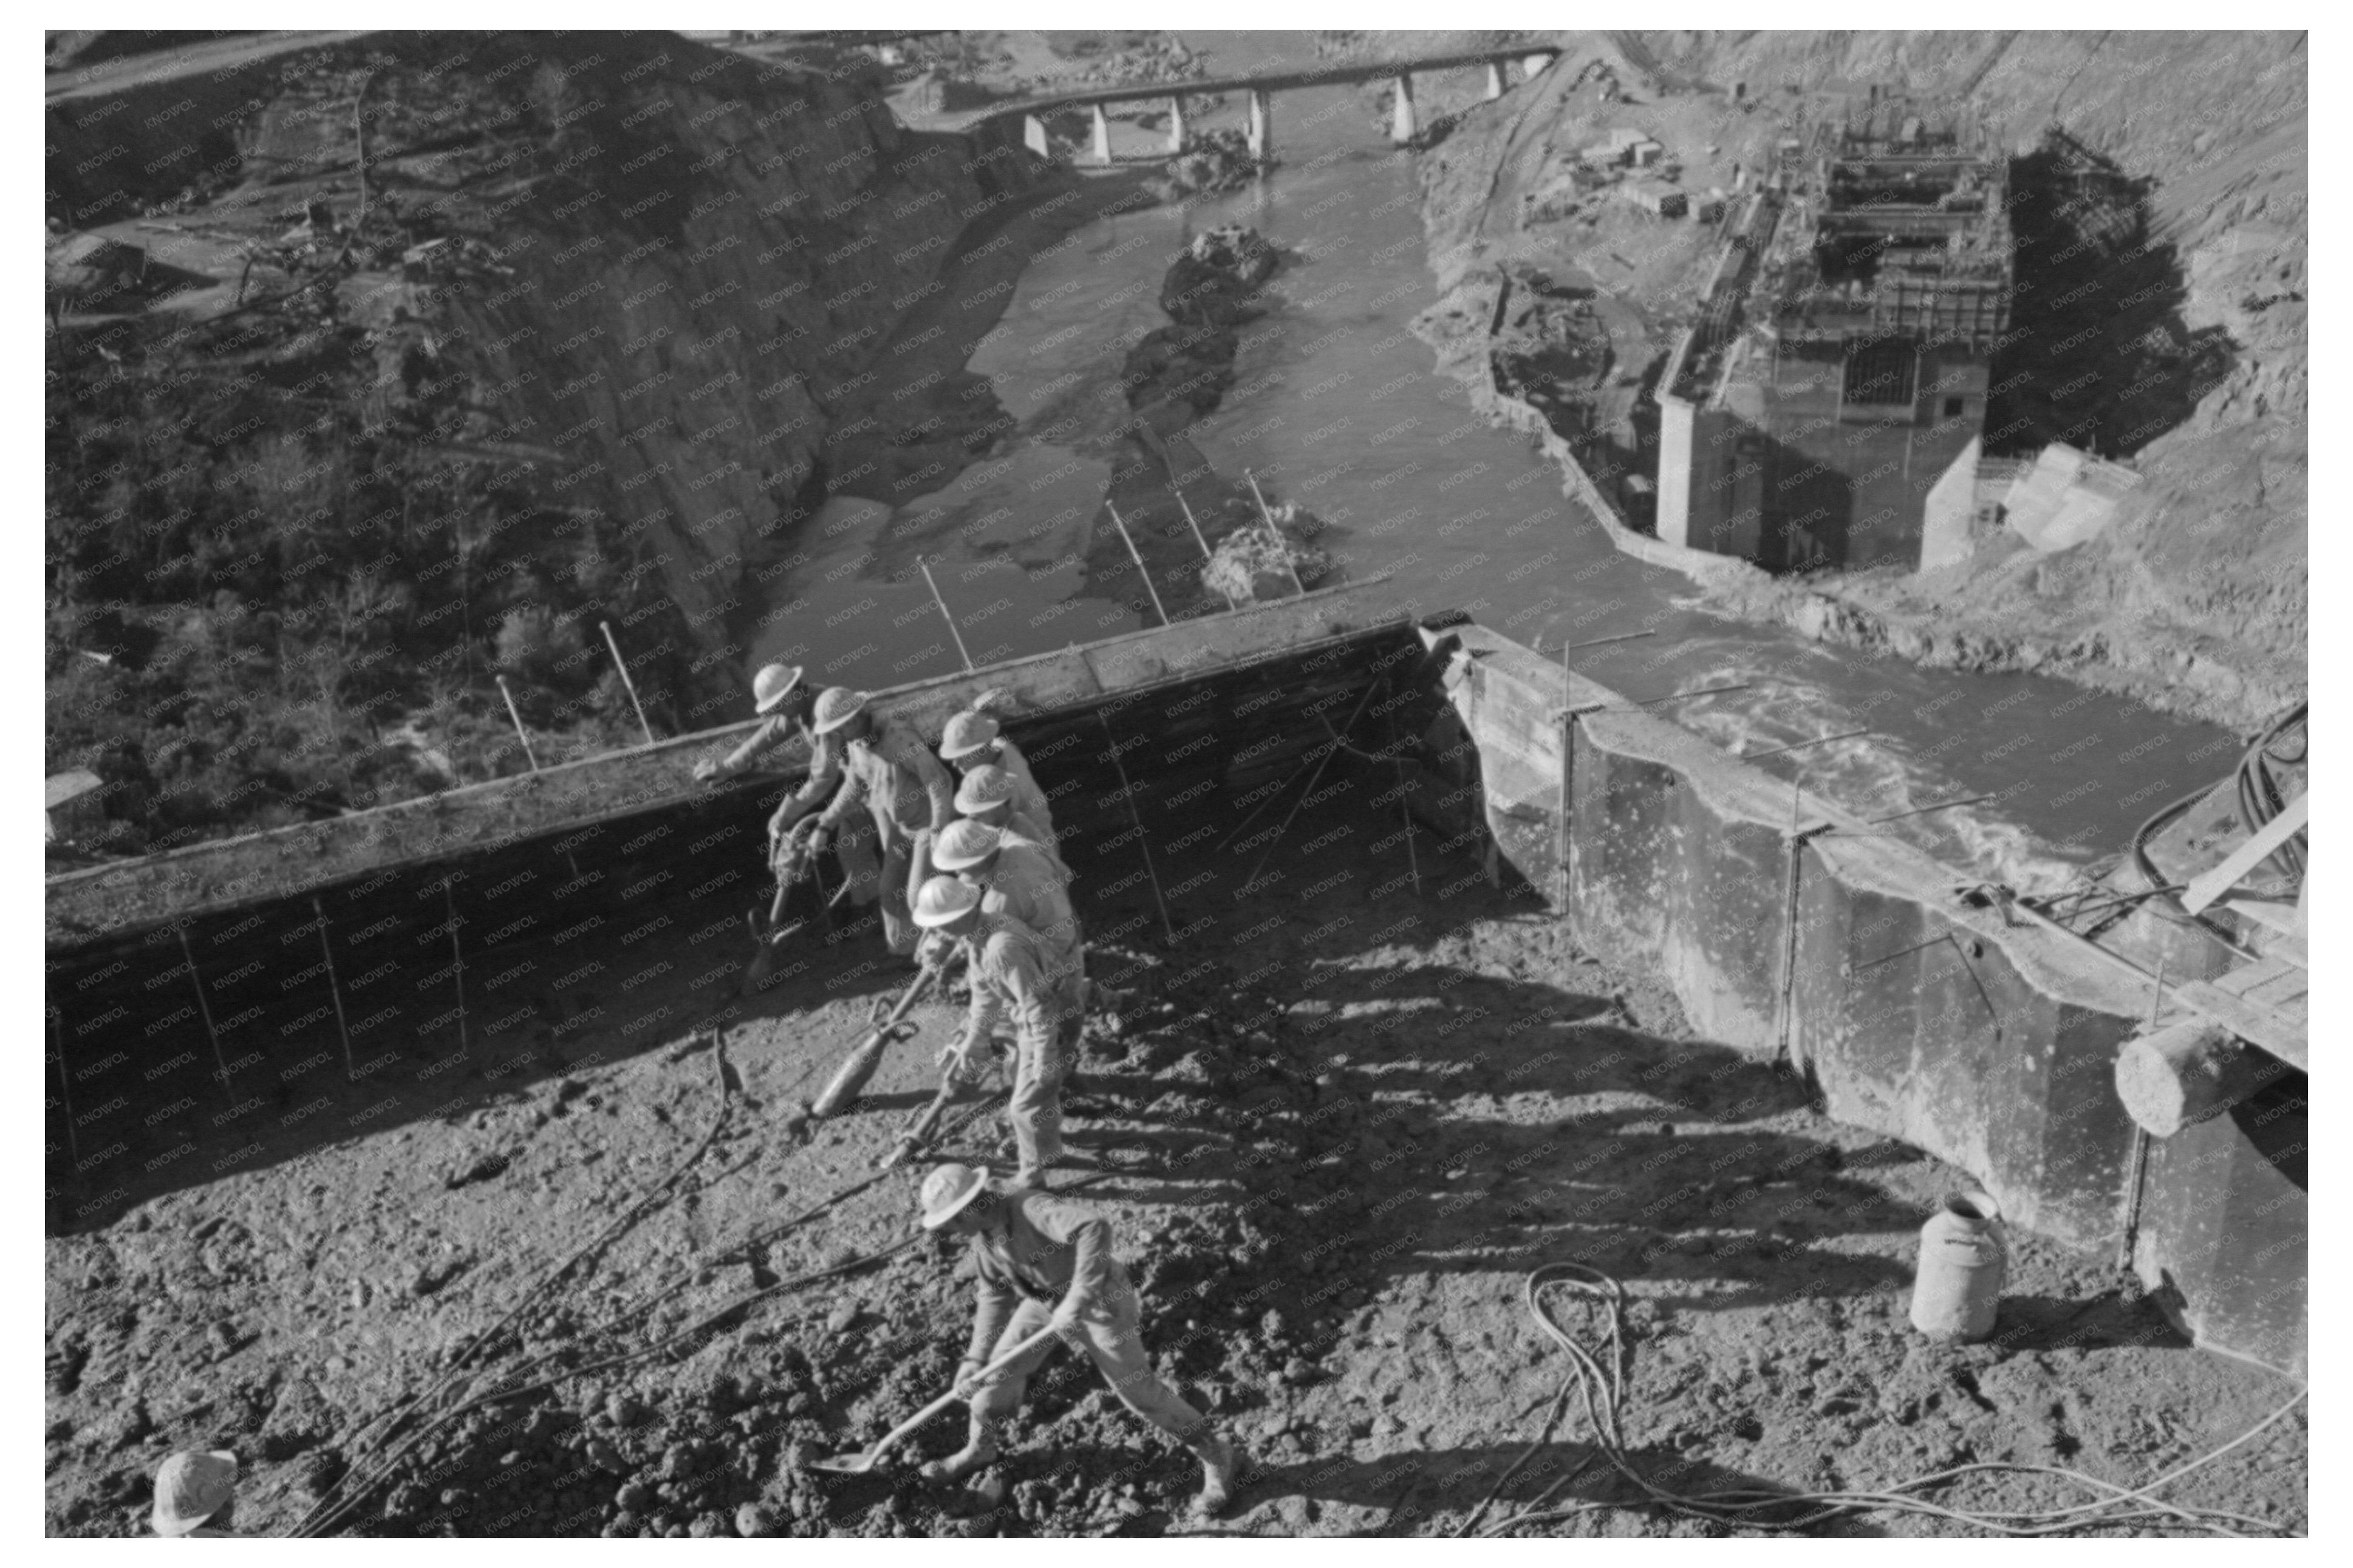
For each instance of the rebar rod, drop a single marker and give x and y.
(629, 685)
(1139, 561)
(204, 1005)
(937, 599)
(335, 990)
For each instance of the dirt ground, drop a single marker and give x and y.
(1346, 1126)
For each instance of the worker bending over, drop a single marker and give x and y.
(778, 696)
(1013, 970)
(1029, 1248)
(986, 796)
(973, 740)
(1020, 879)
(890, 780)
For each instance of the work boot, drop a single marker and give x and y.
(978, 1452)
(1221, 1466)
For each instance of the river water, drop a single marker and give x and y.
(1335, 404)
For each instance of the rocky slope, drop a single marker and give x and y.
(618, 287)
(2196, 598)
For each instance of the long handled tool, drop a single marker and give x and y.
(867, 1055)
(865, 1459)
(794, 863)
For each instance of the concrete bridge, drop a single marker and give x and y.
(1261, 88)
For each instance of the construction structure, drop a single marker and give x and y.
(1826, 408)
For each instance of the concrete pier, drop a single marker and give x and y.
(1401, 122)
(1033, 136)
(1531, 64)
(1262, 122)
(1177, 123)
(1495, 81)
(1102, 148)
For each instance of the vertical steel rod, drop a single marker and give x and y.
(519, 734)
(458, 957)
(1143, 839)
(197, 981)
(1405, 809)
(334, 989)
(942, 604)
(622, 666)
(57, 1044)
(1281, 544)
(1560, 833)
(1203, 540)
(1139, 562)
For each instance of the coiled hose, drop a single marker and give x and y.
(1597, 1382)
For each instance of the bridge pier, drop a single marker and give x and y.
(1033, 136)
(1177, 123)
(1261, 123)
(1401, 122)
(1495, 81)
(1102, 136)
(1531, 64)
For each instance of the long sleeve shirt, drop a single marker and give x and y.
(1047, 1248)
(1014, 971)
(1030, 886)
(823, 764)
(894, 775)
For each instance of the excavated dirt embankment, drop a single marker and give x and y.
(1346, 1122)
(2195, 600)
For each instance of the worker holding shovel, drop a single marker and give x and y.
(1029, 1248)
(1012, 969)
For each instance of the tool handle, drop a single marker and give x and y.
(920, 1416)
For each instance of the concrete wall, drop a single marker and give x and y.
(1952, 502)
(1990, 1045)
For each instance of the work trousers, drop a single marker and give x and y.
(1115, 1342)
(877, 860)
(1035, 1109)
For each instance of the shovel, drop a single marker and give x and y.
(865, 1459)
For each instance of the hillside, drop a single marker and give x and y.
(430, 352)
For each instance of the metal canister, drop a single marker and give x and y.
(1956, 1290)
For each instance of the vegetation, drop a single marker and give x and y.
(289, 553)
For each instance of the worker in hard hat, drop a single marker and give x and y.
(973, 740)
(1029, 1249)
(1020, 879)
(194, 1494)
(891, 780)
(780, 698)
(987, 795)
(1014, 970)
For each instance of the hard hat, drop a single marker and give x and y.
(963, 843)
(837, 706)
(943, 901)
(987, 786)
(949, 1190)
(773, 685)
(967, 733)
(192, 1488)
